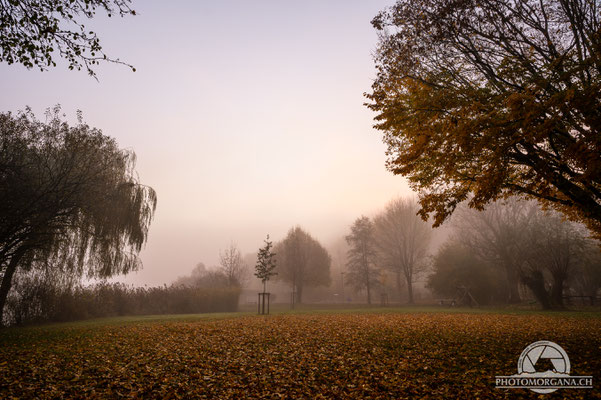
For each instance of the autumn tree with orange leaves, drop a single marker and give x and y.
(483, 99)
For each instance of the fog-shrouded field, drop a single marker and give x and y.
(354, 353)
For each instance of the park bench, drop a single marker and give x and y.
(592, 300)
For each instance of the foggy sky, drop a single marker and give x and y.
(246, 117)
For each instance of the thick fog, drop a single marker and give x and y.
(247, 118)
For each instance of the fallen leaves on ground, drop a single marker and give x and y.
(363, 356)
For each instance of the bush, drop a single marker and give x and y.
(456, 266)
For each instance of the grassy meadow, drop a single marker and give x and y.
(327, 353)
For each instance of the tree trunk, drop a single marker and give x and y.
(7, 281)
(513, 293)
(399, 285)
(367, 286)
(409, 290)
(536, 283)
(299, 294)
(557, 290)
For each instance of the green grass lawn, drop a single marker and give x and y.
(331, 352)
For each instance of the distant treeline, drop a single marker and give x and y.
(33, 301)
(514, 251)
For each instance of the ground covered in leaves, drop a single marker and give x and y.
(309, 356)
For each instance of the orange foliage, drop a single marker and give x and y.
(488, 99)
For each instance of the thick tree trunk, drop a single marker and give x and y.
(536, 283)
(7, 281)
(368, 293)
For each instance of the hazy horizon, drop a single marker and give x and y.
(246, 118)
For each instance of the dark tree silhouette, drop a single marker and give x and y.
(69, 199)
(555, 248)
(32, 32)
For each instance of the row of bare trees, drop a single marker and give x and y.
(394, 241)
(509, 252)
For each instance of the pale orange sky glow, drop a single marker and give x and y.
(246, 117)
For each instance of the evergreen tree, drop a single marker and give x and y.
(363, 272)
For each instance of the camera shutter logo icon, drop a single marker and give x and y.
(544, 354)
(543, 367)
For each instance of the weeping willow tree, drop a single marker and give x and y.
(69, 199)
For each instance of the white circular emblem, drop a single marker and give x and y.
(552, 362)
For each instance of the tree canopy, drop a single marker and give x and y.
(454, 266)
(496, 235)
(402, 241)
(493, 98)
(302, 261)
(69, 199)
(233, 266)
(32, 32)
(265, 263)
(520, 242)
